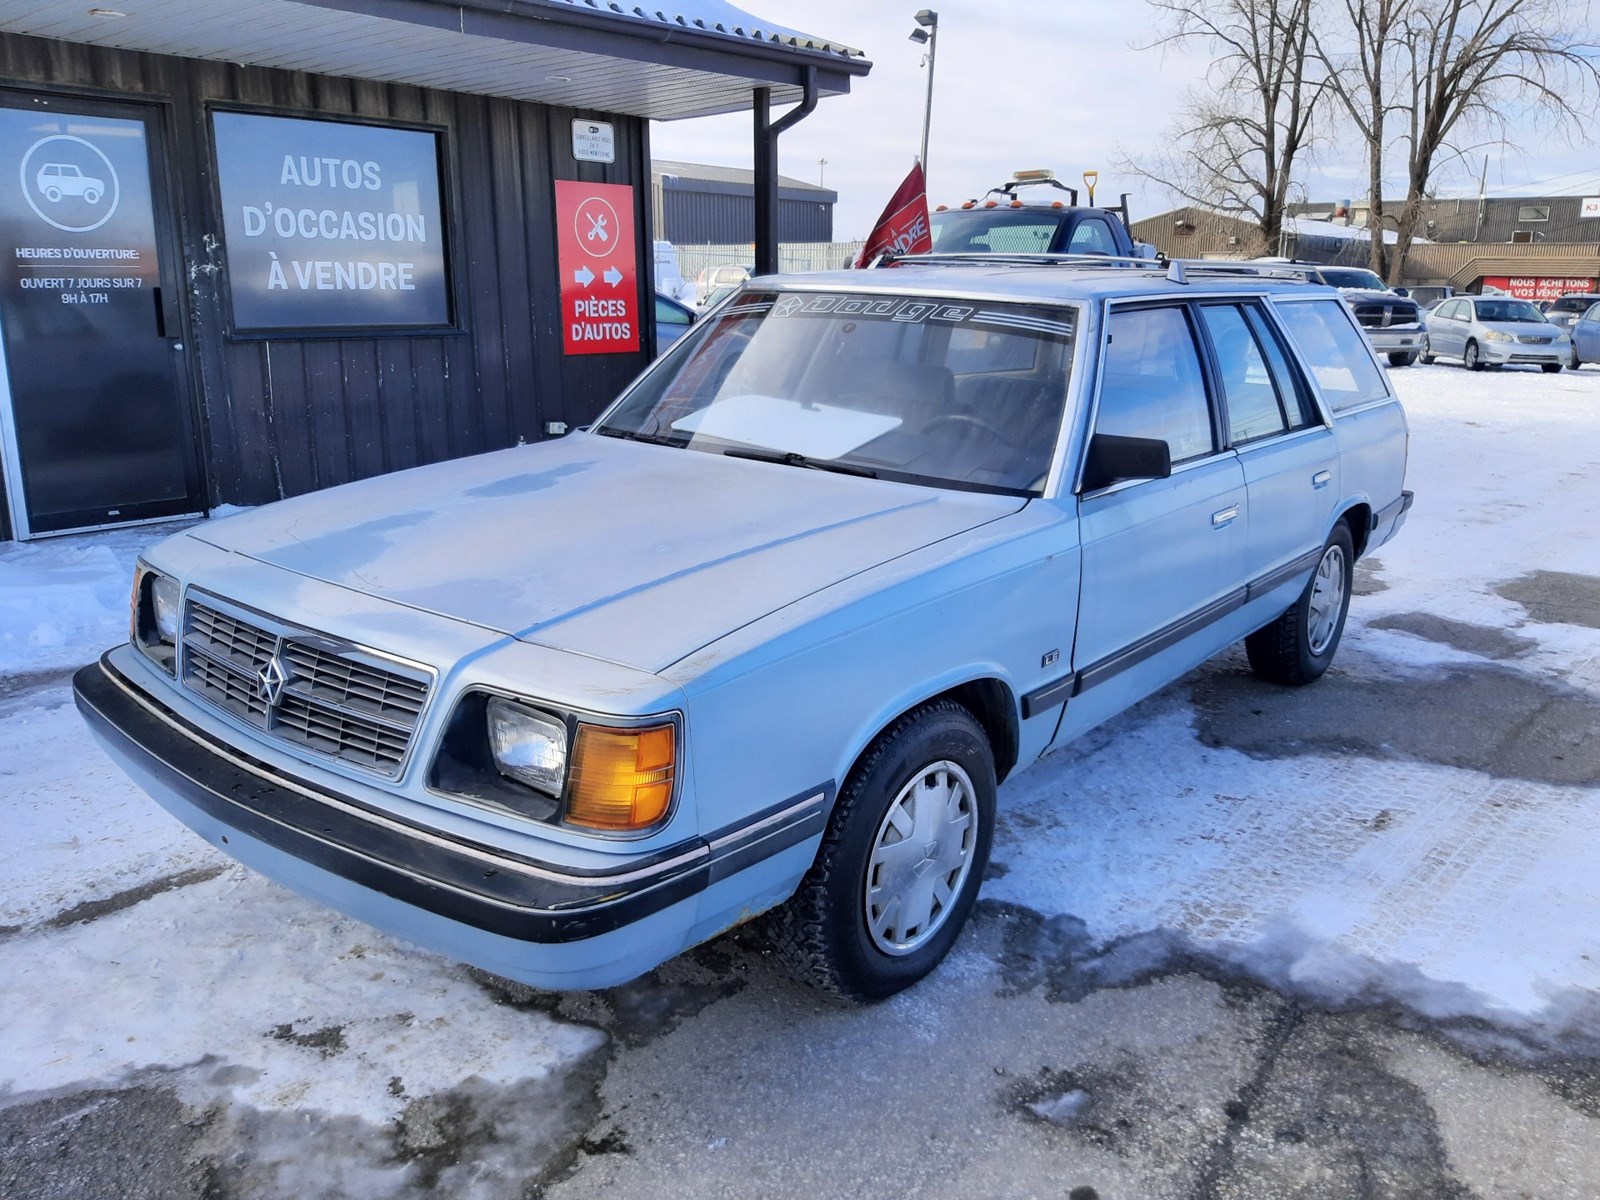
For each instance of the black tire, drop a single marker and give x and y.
(1574, 361)
(1286, 651)
(1550, 368)
(1470, 359)
(1402, 358)
(823, 930)
(1427, 353)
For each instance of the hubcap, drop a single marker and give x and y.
(1472, 356)
(920, 858)
(1327, 599)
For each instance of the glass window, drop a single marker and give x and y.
(668, 313)
(1092, 236)
(1335, 351)
(1592, 315)
(1298, 403)
(995, 230)
(920, 389)
(1151, 383)
(1509, 310)
(1255, 409)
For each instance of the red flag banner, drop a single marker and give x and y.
(903, 227)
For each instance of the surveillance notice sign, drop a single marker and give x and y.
(599, 267)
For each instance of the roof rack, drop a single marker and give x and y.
(949, 258)
(1178, 270)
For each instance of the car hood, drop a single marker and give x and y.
(634, 553)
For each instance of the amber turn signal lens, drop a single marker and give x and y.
(621, 778)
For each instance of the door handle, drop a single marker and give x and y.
(1322, 479)
(161, 313)
(1224, 516)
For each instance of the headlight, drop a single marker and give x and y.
(156, 616)
(1494, 335)
(559, 768)
(527, 746)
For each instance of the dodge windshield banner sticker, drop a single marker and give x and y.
(599, 267)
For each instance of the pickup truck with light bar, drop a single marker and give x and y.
(766, 637)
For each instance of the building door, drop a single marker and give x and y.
(94, 406)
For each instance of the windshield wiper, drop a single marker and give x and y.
(789, 458)
(655, 439)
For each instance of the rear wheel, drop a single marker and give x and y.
(1470, 359)
(901, 862)
(1297, 648)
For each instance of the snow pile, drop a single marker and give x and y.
(63, 601)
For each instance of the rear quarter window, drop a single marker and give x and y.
(1335, 352)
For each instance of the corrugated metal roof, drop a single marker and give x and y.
(713, 16)
(550, 51)
(1463, 263)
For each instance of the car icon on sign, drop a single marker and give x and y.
(65, 179)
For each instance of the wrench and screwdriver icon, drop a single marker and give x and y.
(597, 228)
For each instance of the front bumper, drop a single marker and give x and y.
(1519, 352)
(1386, 341)
(538, 922)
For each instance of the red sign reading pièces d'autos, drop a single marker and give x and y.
(598, 260)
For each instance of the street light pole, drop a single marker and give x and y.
(927, 33)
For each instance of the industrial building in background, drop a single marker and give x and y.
(694, 204)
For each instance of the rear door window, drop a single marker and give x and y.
(1335, 351)
(1256, 407)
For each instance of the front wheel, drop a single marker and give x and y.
(901, 861)
(1573, 360)
(1550, 368)
(92, 195)
(1297, 648)
(1427, 353)
(1470, 358)
(1402, 358)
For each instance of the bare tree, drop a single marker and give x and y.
(1236, 146)
(1363, 63)
(1473, 63)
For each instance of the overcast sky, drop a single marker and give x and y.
(1030, 83)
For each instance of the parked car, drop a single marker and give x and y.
(1493, 331)
(1035, 213)
(711, 279)
(1565, 311)
(1391, 320)
(772, 631)
(1585, 336)
(672, 321)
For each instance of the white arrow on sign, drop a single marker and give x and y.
(612, 276)
(583, 276)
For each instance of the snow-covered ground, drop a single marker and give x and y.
(1349, 874)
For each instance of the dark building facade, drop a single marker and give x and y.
(223, 282)
(696, 205)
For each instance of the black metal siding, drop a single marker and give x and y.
(691, 217)
(289, 415)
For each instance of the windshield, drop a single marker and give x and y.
(922, 389)
(1571, 304)
(1509, 310)
(1352, 277)
(994, 231)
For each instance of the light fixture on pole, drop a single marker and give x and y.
(927, 34)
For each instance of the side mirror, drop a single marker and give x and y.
(1113, 457)
(1400, 291)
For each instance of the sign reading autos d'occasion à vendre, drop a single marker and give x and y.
(331, 225)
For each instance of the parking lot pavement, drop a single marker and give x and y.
(1241, 942)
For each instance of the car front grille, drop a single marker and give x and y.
(1534, 339)
(302, 688)
(1383, 316)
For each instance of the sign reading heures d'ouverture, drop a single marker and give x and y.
(330, 224)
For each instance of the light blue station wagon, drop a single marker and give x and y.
(770, 633)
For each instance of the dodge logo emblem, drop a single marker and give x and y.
(271, 680)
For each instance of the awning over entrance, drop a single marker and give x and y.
(691, 58)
